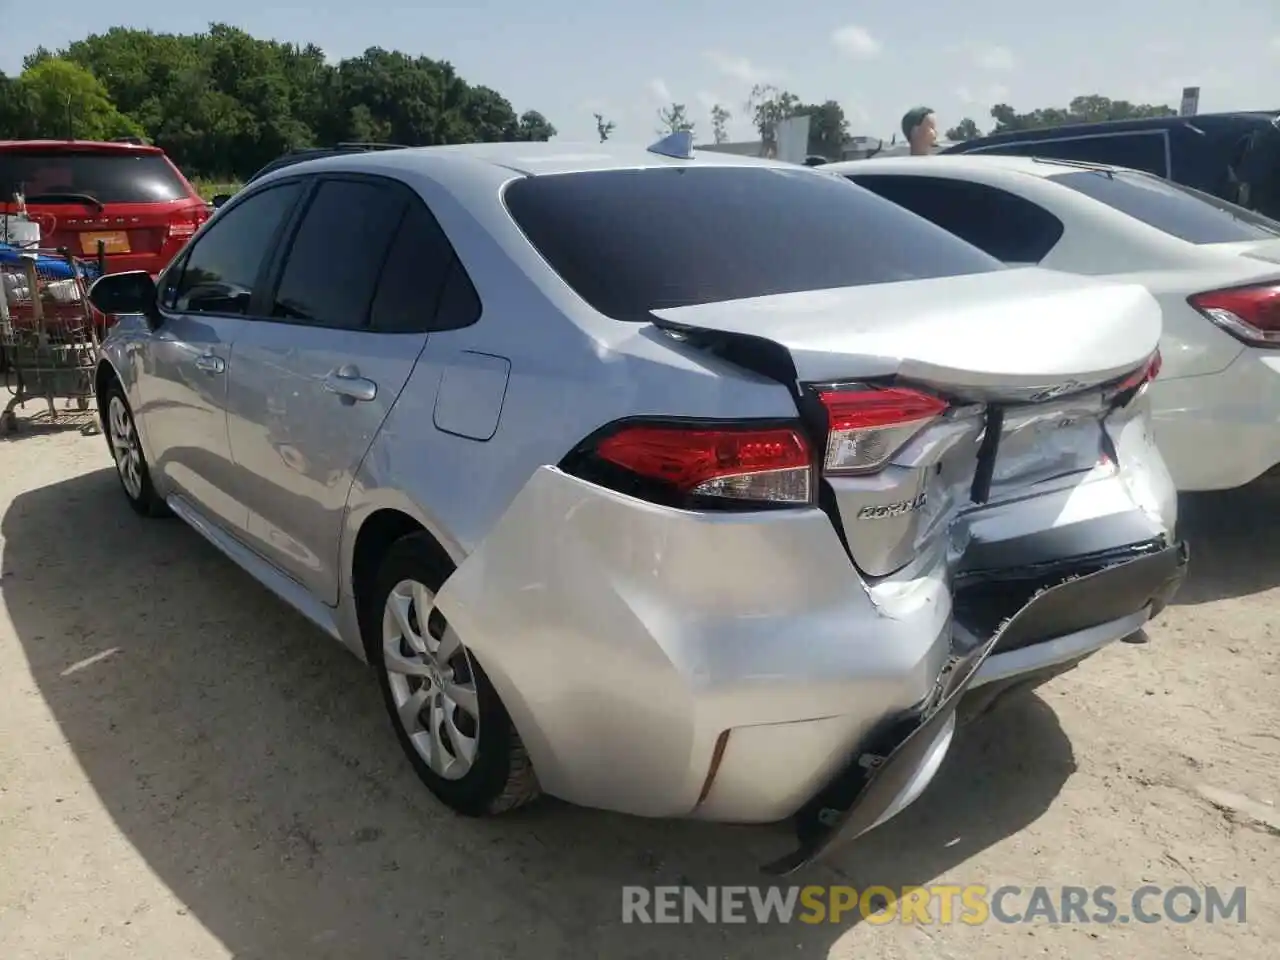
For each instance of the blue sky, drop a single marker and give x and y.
(569, 60)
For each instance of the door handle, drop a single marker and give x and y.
(210, 364)
(347, 384)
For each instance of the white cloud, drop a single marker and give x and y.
(739, 68)
(1161, 48)
(854, 41)
(993, 57)
(659, 90)
(982, 97)
(708, 99)
(1275, 43)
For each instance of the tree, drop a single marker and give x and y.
(966, 129)
(768, 106)
(534, 126)
(1087, 109)
(720, 118)
(62, 99)
(674, 119)
(828, 128)
(603, 127)
(222, 102)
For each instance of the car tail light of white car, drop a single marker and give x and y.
(868, 425)
(1251, 314)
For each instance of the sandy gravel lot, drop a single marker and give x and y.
(188, 770)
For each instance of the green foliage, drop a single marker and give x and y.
(828, 128)
(674, 119)
(223, 103)
(1087, 109)
(57, 98)
(768, 106)
(966, 129)
(720, 118)
(604, 127)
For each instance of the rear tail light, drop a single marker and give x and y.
(1144, 374)
(185, 224)
(697, 466)
(866, 426)
(1251, 314)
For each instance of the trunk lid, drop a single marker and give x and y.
(1011, 334)
(132, 228)
(1031, 354)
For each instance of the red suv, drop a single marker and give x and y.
(129, 196)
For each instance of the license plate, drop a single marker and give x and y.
(113, 241)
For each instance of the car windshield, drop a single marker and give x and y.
(632, 241)
(68, 176)
(1177, 210)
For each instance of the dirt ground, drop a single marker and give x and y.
(188, 770)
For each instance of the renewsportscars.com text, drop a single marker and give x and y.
(932, 905)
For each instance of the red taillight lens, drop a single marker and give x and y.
(1251, 314)
(689, 463)
(867, 426)
(1144, 374)
(185, 224)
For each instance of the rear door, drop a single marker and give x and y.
(356, 293)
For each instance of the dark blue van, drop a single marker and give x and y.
(1235, 156)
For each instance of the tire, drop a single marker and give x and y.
(474, 764)
(132, 471)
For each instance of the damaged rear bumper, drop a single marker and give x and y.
(1058, 623)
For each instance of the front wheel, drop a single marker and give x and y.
(447, 716)
(126, 450)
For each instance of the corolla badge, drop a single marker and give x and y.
(887, 510)
(1057, 390)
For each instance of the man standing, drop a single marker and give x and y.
(920, 127)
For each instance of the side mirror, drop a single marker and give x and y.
(219, 199)
(124, 293)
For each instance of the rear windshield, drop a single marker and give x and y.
(107, 177)
(632, 241)
(1178, 210)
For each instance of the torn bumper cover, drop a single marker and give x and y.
(886, 775)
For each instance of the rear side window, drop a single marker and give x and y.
(1175, 209)
(1139, 151)
(50, 176)
(632, 241)
(333, 264)
(1009, 227)
(420, 282)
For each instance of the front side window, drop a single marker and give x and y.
(633, 241)
(1175, 209)
(224, 263)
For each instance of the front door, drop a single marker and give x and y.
(311, 386)
(204, 301)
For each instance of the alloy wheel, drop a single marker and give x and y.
(124, 444)
(432, 681)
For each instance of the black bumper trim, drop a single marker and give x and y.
(868, 786)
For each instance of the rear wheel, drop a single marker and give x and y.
(126, 450)
(447, 716)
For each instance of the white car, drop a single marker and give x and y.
(1213, 266)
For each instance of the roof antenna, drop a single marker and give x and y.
(677, 144)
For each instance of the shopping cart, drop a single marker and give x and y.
(49, 332)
